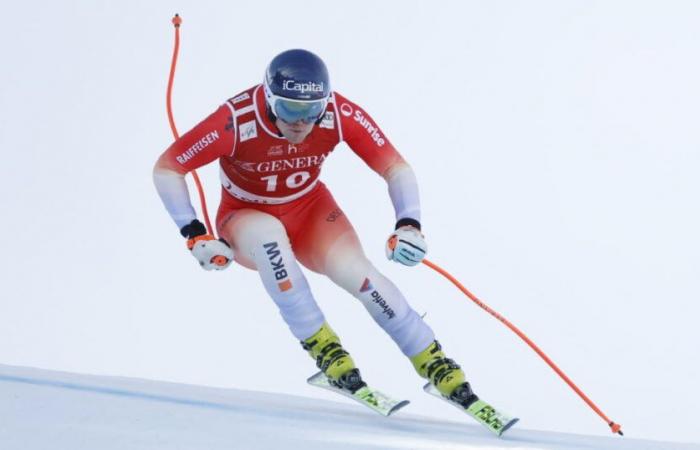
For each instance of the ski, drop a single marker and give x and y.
(367, 396)
(496, 421)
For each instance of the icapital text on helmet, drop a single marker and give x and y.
(291, 85)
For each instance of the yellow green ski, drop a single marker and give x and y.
(372, 398)
(496, 421)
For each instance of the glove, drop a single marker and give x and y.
(212, 253)
(406, 245)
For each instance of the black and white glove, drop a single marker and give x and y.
(406, 245)
(212, 253)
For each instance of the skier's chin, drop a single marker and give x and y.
(296, 132)
(296, 137)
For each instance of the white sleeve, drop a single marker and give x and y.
(403, 190)
(172, 188)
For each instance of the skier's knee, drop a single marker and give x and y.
(269, 227)
(350, 272)
(261, 229)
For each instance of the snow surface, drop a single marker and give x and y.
(42, 409)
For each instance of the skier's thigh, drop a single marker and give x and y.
(248, 229)
(327, 234)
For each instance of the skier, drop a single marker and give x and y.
(271, 141)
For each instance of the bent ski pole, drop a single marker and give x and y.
(177, 21)
(616, 428)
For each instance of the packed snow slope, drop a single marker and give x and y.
(42, 409)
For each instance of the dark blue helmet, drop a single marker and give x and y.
(297, 87)
(299, 75)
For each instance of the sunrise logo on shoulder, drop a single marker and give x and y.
(371, 128)
(346, 110)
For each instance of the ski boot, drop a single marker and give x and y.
(333, 360)
(447, 377)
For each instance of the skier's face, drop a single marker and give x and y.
(294, 132)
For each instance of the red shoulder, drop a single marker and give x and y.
(364, 137)
(208, 140)
(357, 125)
(242, 99)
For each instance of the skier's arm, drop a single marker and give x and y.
(173, 192)
(203, 144)
(406, 244)
(403, 190)
(206, 142)
(370, 143)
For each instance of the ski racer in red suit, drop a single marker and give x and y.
(271, 141)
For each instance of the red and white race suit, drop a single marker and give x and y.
(275, 212)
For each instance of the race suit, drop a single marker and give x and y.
(275, 213)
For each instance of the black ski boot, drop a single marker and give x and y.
(350, 381)
(463, 395)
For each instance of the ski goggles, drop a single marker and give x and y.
(291, 111)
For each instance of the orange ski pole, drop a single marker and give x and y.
(177, 20)
(616, 428)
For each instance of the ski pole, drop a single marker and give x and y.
(177, 21)
(616, 428)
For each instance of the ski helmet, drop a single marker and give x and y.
(297, 87)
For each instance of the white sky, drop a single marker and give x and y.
(557, 151)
